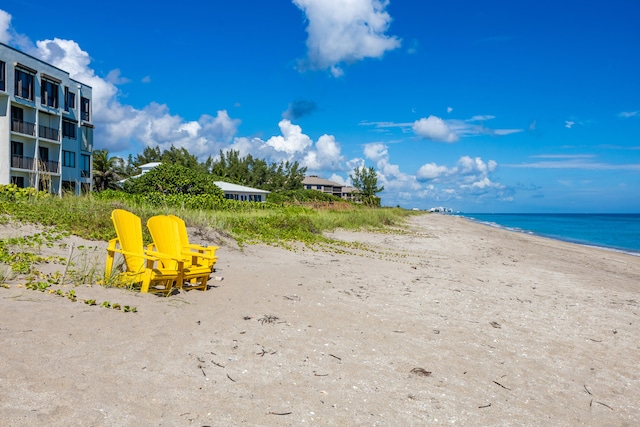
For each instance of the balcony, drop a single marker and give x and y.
(49, 166)
(49, 133)
(22, 162)
(23, 127)
(85, 174)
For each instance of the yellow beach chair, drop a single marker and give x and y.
(206, 252)
(166, 239)
(151, 270)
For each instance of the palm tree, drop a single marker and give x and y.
(106, 170)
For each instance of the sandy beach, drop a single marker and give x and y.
(447, 323)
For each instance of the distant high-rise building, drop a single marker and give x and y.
(46, 128)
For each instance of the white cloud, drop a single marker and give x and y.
(291, 141)
(376, 151)
(434, 128)
(345, 31)
(325, 156)
(438, 129)
(430, 171)
(119, 126)
(627, 114)
(5, 24)
(115, 77)
(449, 109)
(340, 180)
(568, 124)
(574, 161)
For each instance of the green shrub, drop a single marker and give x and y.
(172, 179)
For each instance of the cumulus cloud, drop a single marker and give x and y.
(5, 24)
(376, 151)
(435, 129)
(118, 126)
(470, 176)
(430, 171)
(299, 108)
(327, 155)
(345, 31)
(292, 139)
(389, 175)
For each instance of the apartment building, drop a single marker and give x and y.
(313, 182)
(46, 128)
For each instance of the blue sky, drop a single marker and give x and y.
(491, 106)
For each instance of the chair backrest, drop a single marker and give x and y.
(182, 229)
(166, 237)
(129, 230)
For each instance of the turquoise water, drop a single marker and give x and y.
(612, 231)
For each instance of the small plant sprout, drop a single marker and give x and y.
(90, 302)
(106, 304)
(128, 309)
(116, 306)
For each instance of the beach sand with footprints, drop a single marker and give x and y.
(447, 322)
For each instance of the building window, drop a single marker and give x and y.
(86, 107)
(87, 138)
(3, 71)
(49, 93)
(43, 154)
(69, 129)
(68, 159)
(69, 99)
(86, 166)
(17, 148)
(24, 84)
(18, 181)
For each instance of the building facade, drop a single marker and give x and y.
(313, 182)
(242, 193)
(46, 125)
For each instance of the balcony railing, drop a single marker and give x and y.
(23, 127)
(49, 133)
(21, 162)
(85, 174)
(49, 166)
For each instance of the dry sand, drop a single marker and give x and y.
(449, 323)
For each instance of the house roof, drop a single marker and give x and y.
(314, 180)
(235, 188)
(150, 165)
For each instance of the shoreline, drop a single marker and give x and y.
(628, 251)
(445, 322)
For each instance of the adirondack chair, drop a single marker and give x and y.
(208, 252)
(140, 266)
(166, 239)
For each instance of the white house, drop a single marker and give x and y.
(46, 125)
(242, 193)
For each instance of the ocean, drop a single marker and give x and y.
(620, 232)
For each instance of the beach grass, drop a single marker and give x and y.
(89, 217)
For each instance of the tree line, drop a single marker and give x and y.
(230, 167)
(249, 171)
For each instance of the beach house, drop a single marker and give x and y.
(242, 193)
(46, 125)
(313, 182)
